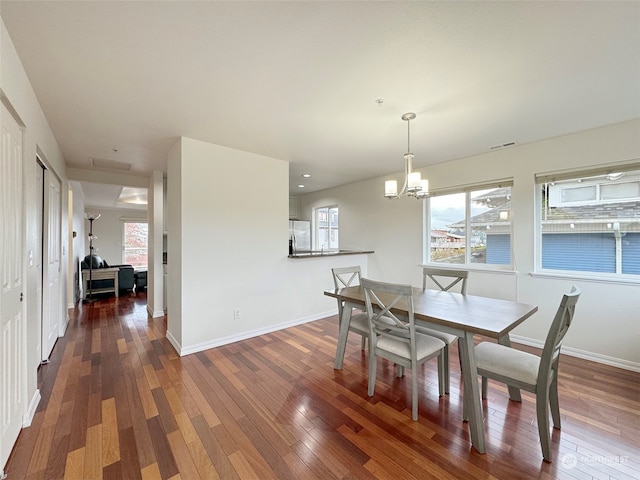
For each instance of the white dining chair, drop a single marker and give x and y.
(536, 374)
(350, 277)
(396, 339)
(445, 280)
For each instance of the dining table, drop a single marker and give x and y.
(453, 313)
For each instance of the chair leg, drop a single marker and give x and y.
(363, 342)
(484, 387)
(399, 370)
(542, 413)
(445, 357)
(553, 401)
(442, 376)
(372, 371)
(414, 391)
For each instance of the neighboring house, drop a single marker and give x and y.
(490, 230)
(442, 239)
(591, 225)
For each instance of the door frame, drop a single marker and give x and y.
(45, 294)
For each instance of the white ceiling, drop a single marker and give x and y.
(298, 80)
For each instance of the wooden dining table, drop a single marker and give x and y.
(457, 314)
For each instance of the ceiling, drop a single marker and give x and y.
(300, 81)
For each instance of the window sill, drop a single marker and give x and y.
(470, 268)
(586, 277)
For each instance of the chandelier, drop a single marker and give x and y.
(414, 186)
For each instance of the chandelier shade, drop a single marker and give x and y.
(414, 185)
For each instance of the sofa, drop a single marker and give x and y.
(125, 274)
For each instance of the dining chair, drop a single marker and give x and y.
(349, 277)
(396, 339)
(535, 374)
(445, 279)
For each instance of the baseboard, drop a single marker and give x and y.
(174, 343)
(583, 354)
(154, 313)
(63, 327)
(27, 418)
(199, 347)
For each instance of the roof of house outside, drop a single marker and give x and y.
(603, 213)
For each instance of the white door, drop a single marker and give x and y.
(51, 295)
(12, 321)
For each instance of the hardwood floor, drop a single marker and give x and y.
(117, 402)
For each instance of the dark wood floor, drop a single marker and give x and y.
(117, 402)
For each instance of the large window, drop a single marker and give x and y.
(470, 226)
(326, 220)
(135, 244)
(589, 221)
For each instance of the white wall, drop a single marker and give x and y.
(38, 139)
(79, 243)
(155, 274)
(109, 229)
(607, 323)
(228, 250)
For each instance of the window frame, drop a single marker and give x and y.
(578, 174)
(467, 190)
(316, 227)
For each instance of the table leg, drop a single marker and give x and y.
(471, 400)
(345, 321)
(514, 393)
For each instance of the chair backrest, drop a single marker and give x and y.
(380, 298)
(346, 276)
(557, 331)
(451, 278)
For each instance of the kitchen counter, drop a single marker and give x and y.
(328, 253)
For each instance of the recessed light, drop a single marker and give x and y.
(300, 186)
(306, 175)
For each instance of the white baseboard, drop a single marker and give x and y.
(199, 347)
(27, 418)
(63, 327)
(174, 342)
(154, 313)
(575, 352)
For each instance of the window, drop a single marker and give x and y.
(135, 244)
(326, 228)
(589, 221)
(470, 226)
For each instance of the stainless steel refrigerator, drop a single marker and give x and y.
(300, 235)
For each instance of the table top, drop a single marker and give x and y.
(482, 315)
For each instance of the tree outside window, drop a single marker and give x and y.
(136, 244)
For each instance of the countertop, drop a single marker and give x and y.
(328, 253)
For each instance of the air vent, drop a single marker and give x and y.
(503, 145)
(110, 164)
